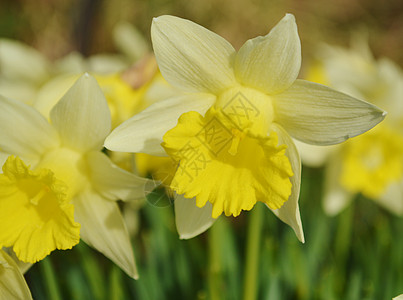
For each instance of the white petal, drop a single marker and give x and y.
(106, 63)
(316, 114)
(289, 212)
(130, 41)
(392, 80)
(113, 182)
(400, 297)
(191, 57)
(271, 63)
(335, 198)
(22, 63)
(190, 219)
(52, 91)
(12, 283)
(82, 116)
(24, 131)
(102, 228)
(17, 90)
(392, 200)
(22, 266)
(144, 132)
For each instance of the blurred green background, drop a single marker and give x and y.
(356, 255)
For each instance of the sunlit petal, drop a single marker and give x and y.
(144, 131)
(102, 227)
(289, 212)
(191, 57)
(82, 116)
(24, 131)
(12, 282)
(319, 115)
(271, 63)
(113, 182)
(190, 219)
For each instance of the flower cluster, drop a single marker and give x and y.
(222, 123)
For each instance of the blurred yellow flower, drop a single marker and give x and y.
(371, 164)
(230, 131)
(58, 165)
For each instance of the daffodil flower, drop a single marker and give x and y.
(12, 282)
(371, 164)
(56, 179)
(231, 133)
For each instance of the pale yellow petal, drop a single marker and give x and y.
(24, 131)
(316, 114)
(52, 91)
(12, 282)
(82, 117)
(130, 41)
(191, 57)
(144, 131)
(102, 228)
(20, 62)
(289, 212)
(113, 182)
(190, 219)
(271, 63)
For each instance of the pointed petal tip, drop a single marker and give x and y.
(188, 236)
(108, 143)
(84, 75)
(158, 20)
(184, 236)
(301, 237)
(289, 17)
(132, 272)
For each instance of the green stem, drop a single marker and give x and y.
(214, 278)
(252, 253)
(92, 271)
(343, 242)
(50, 278)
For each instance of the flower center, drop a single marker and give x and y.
(248, 109)
(68, 166)
(229, 167)
(36, 216)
